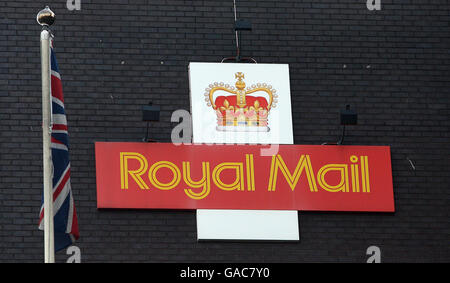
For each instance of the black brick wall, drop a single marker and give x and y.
(391, 65)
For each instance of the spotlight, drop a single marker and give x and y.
(239, 26)
(242, 25)
(348, 117)
(150, 113)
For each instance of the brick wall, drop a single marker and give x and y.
(392, 65)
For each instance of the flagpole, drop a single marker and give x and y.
(46, 18)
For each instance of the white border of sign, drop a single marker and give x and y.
(216, 224)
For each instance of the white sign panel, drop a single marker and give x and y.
(270, 225)
(240, 103)
(234, 103)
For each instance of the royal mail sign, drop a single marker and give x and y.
(297, 177)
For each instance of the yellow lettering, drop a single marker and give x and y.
(365, 174)
(135, 174)
(164, 186)
(250, 169)
(342, 185)
(204, 182)
(355, 174)
(238, 183)
(304, 163)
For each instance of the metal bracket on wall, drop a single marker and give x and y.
(240, 25)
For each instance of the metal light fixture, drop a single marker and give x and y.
(150, 113)
(242, 25)
(348, 117)
(239, 25)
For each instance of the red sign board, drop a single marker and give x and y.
(296, 177)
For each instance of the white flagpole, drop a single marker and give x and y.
(45, 18)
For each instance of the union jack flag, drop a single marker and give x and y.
(65, 217)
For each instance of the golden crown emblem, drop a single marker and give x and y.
(240, 111)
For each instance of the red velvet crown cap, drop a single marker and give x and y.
(232, 100)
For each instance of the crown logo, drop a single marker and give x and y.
(241, 108)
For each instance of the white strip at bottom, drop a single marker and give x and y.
(227, 224)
